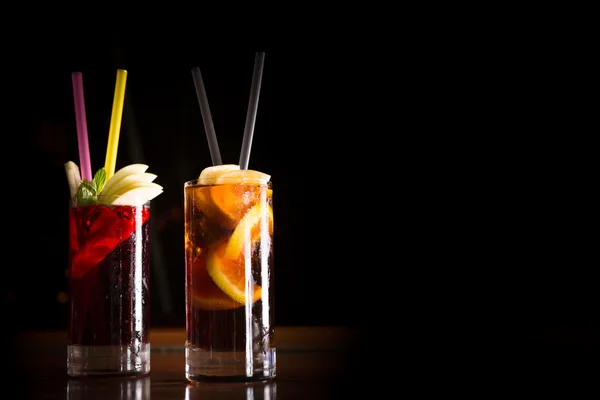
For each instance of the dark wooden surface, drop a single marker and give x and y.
(312, 363)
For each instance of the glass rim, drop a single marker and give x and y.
(73, 203)
(229, 181)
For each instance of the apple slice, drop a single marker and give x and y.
(128, 181)
(244, 176)
(123, 189)
(137, 195)
(210, 174)
(73, 177)
(122, 173)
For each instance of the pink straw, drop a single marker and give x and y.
(82, 133)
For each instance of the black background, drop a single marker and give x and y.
(437, 189)
(307, 136)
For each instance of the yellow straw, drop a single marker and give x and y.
(115, 123)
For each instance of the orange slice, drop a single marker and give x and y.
(256, 223)
(229, 274)
(202, 194)
(203, 201)
(237, 191)
(206, 295)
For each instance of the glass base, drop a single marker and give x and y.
(228, 366)
(108, 360)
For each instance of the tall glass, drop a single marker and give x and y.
(229, 281)
(109, 256)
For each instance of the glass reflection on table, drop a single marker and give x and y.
(237, 391)
(108, 388)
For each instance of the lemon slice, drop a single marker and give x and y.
(209, 174)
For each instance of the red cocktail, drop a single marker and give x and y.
(109, 283)
(109, 271)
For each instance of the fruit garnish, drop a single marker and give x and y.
(202, 197)
(129, 181)
(243, 176)
(209, 174)
(130, 185)
(235, 192)
(257, 221)
(139, 194)
(123, 172)
(87, 192)
(73, 177)
(229, 275)
(206, 295)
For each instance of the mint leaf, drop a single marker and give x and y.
(90, 186)
(86, 193)
(100, 180)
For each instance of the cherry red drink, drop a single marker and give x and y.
(109, 286)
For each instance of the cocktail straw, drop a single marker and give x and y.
(213, 145)
(115, 124)
(82, 133)
(259, 60)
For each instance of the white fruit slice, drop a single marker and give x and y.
(137, 195)
(122, 189)
(245, 176)
(123, 185)
(73, 177)
(122, 173)
(209, 174)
